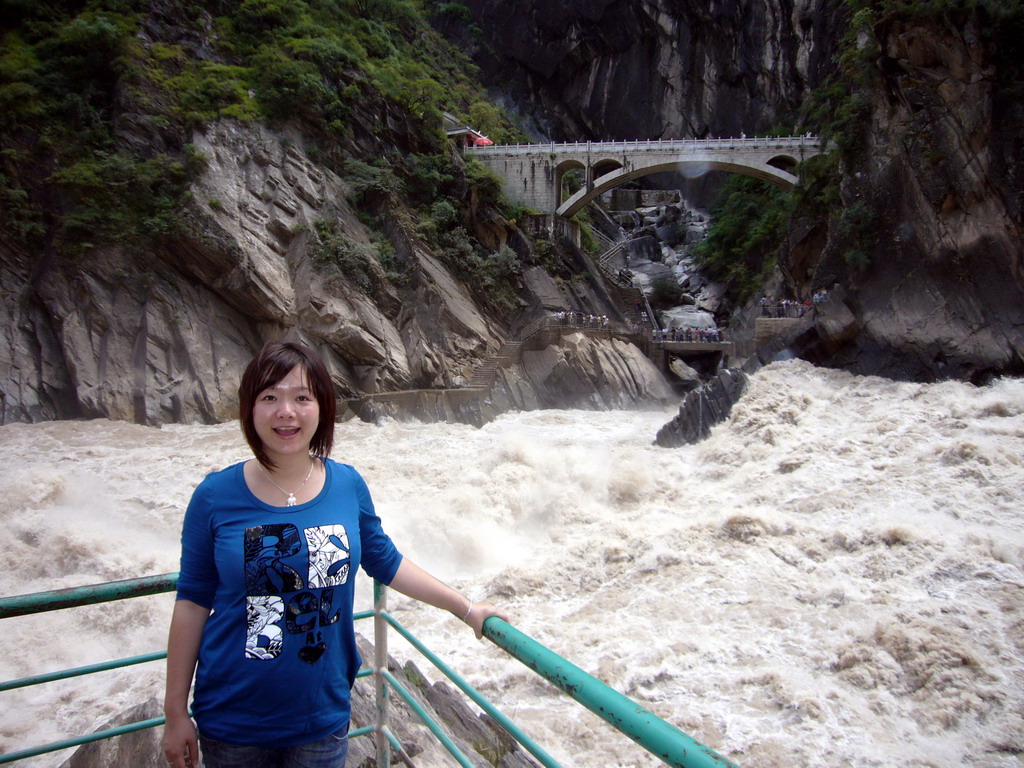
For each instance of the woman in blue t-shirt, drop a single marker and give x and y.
(269, 552)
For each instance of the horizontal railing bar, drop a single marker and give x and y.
(56, 746)
(40, 602)
(495, 714)
(672, 145)
(427, 720)
(64, 674)
(658, 737)
(123, 729)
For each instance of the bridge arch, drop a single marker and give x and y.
(604, 166)
(771, 172)
(566, 167)
(533, 173)
(785, 163)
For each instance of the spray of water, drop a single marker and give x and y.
(833, 578)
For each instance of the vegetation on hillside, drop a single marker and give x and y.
(748, 226)
(97, 99)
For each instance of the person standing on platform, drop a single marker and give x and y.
(270, 551)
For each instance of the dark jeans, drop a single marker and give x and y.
(328, 752)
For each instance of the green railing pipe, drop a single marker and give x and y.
(427, 720)
(56, 746)
(525, 741)
(669, 743)
(659, 738)
(38, 602)
(64, 674)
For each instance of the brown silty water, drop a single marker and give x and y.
(833, 578)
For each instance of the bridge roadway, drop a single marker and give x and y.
(533, 173)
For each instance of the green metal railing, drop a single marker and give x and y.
(663, 740)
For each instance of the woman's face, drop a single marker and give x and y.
(286, 416)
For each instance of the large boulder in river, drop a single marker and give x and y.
(704, 408)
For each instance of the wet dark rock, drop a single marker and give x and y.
(704, 408)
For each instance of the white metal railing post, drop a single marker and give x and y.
(380, 665)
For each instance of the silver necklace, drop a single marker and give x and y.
(292, 501)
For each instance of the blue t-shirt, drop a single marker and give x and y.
(278, 653)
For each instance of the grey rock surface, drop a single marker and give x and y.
(703, 408)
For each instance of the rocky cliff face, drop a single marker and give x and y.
(942, 294)
(163, 336)
(614, 69)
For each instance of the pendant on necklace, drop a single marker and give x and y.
(292, 501)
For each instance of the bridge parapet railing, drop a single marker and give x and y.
(671, 145)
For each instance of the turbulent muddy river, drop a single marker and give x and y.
(834, 578)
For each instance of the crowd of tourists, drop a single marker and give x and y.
(688, 335)
(792, 307)
(692, 335)
(577, 319)
(784, 308)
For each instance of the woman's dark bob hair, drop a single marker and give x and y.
(270, 366)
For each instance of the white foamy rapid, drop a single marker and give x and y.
(833, 578)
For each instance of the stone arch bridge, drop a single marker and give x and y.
(533, 173)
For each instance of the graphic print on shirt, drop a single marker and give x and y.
(269, 556)
(263, 617)
(328, 555)
(290, 588)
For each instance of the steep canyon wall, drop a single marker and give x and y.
(940, 168)
(163, 335)
(942, 176)
(614, 69)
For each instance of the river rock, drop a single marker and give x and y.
(580, 371)
(686, 316)
(138, 748)
(687, 379)
(836, 323)
(704, 408)
(590, 373)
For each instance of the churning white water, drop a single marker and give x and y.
(833, 578)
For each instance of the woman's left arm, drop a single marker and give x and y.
(413, 581)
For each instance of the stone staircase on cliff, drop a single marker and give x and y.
(627, 295)
(487, 372)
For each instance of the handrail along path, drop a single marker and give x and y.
(662, 739)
